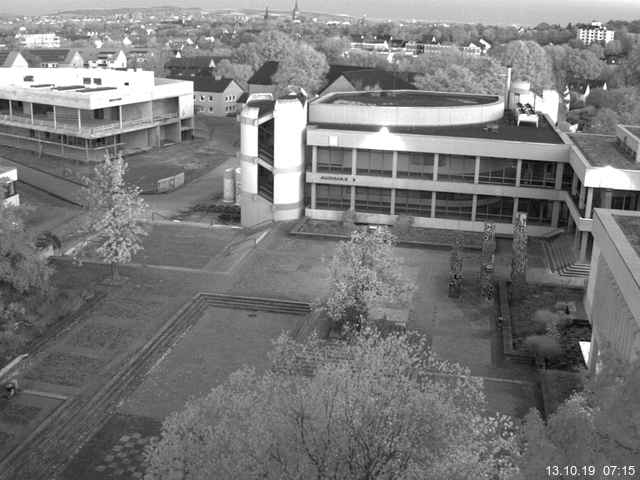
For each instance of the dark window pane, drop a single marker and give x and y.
(333, 197)
(374, 162)
(538, 211)
(376, 200)
(336, 160)
(494, 209)
(454, 205)
(413, 202)
(498, 171)
(538, 174)
(456, 168)
(415, 164)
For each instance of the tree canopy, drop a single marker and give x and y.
(377, 407)
(599, 426)
(302, 66)
(115, 210)
(364, 271)
(528, 60)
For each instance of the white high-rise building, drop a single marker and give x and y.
(596, 32)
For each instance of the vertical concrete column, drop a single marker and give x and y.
(576, 239)
(555, 214)
(79, 120)
(55, 124)
(86, 149)
(559, 174)
(515, 209)
(354, 159)
(313, 195)
(314, 159)
(607, 198)
(589, 203)
(31, 111)
(393, 201)
(10, 109)
(436, 159)
(518, 175)
(574, 185)
(474, 206)
(394, 171)
(354, 169)
(581, 197)
(120, 114)
(583, 246)
(433, 204)
(476, 176)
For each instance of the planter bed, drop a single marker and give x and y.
(415, 236)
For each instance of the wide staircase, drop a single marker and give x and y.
(562, 257)
(271, 305)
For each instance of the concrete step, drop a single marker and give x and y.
(273, 305)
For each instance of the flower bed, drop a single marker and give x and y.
(543, 297)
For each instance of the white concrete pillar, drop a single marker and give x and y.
(31, 111)
(314, 159)
(559, 174)
(394, 173)
(518, 175)
(515, 209)
(354, 160)
(10, 109)
(120, 114)
(313, 195)
(581, 197)
(607, 199)
(583, 246)
(587, 208)
(55, 124)
(79, 120)
(393, 201)
(249, 150)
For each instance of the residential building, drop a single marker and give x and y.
(39, 40)
(8, 181)
(99, 58)
(612, 299)
(352, 79)
(12, 59)
(448, 160)
(216, 96)
(192, 66)
(79, 113)
(53, 58)
(583, 88)
(262, 80)
(596, 32)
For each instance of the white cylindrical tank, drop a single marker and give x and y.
(238, 181)
(229, 187)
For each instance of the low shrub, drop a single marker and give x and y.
(544, 346)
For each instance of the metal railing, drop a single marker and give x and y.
(83, 130)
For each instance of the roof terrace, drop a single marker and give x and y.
(603, 151)
(407, 98)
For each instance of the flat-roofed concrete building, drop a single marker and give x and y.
(79, 113)
(612, 300)
(448, 160)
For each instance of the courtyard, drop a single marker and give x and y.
(154, 332)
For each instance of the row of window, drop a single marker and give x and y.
(230, 98)
(418, 203)
(451, 168)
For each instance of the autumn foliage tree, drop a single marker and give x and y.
(599, 426)
(381, 408)
(364, 270)
(115, 211)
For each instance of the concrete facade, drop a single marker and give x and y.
(612, 300)
(8, 182)
(82, 113)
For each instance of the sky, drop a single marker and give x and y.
(524, 12)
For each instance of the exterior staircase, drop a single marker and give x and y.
(271, 305)
(562, 257)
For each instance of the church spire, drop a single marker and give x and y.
(266, 12)
(294, 14)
